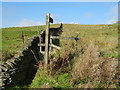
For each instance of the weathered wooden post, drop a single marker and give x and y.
(47, 38)
(22, 36)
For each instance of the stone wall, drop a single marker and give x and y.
(22, 67)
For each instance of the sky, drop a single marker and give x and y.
(19, 14)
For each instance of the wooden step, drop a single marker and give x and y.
(41, 44)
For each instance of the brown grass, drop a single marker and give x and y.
(93, 68)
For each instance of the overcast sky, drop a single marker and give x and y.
(33, 13)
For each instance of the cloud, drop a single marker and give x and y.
(72, 23)
(26, 22)
(57, 20)
(112, 15)
(111, 21)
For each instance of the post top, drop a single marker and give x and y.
(47, 14)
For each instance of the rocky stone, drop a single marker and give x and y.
(18, 69)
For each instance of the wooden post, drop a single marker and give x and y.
(47, 38)
(22, 36)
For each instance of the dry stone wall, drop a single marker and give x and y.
(22, 66)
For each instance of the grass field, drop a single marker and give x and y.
(106, 37)
(12, 39)
(100, 39)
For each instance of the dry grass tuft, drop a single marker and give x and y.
(92, 67)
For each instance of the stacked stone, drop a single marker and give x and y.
(17, 69)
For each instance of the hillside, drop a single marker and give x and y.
(90, 62)
(103, 35)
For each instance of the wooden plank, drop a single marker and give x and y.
(55, 37)
(42, 52)
(50, 44)
(54, 46)
(41, 44)
(58, 37)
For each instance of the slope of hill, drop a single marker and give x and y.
(87, 63)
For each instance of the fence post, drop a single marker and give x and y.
(22, 36)
(47, 37)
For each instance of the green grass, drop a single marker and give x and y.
(42, 80)
(103, 36)
(11, 37)
(106, 38)
(12, 41)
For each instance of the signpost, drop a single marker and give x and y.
(46, 39)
